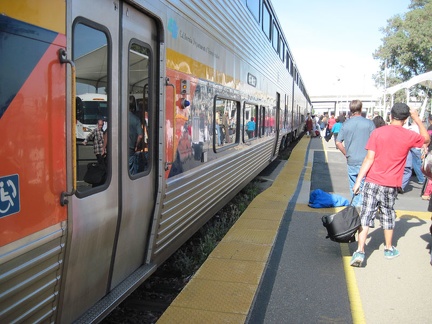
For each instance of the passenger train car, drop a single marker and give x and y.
(198, 96)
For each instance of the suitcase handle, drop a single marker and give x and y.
(352, 199)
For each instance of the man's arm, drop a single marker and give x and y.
(341, 147)
(138, 141)
(89, 137)
(339, 144)
(423, 131)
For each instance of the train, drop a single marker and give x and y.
(198, 97)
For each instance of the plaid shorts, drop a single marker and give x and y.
(378, 197)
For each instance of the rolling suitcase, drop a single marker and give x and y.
(342, 226)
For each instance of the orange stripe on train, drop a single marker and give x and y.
(35, 124)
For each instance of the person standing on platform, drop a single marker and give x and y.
(428, 188)
(99, 147)
(379, 121)
(309, 125)
(323, 124)
(331, 122)
(417, 158)
(250, 128)
(351, 141)
(336, 128)
(135, 136)
(414, 161)
(383, 167)
(407, 173)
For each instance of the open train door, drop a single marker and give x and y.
(139, 91)
(113, 46)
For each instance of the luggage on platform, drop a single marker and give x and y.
(342, 226)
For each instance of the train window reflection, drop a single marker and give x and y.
(261, 127)
(287, 116)
(225, 122)
(268, 121)
(90, 54)
(138, 112)
(250, 121)
(282, 50)
(275, 37)
(267, 22)
(271, 122)
(254, 6)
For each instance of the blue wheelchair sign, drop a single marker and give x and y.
(9, 195)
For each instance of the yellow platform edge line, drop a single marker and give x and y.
(400, 213)
(356, 305)
(288, 176)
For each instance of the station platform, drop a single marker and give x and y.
(276, 266)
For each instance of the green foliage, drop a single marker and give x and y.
(407, 44)
(183, 262)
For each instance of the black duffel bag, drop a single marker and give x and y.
(95, 174)
(342, 226)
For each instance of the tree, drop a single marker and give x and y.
(407, 45)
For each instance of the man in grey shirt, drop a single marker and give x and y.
(351, 141)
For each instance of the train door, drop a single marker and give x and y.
(94, 209)
(137, 108)
(274, 118)
(109, 217)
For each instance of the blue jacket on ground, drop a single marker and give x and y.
(322, 199)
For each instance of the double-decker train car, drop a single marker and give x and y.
(198, 98)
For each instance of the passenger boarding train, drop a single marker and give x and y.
(195, 98)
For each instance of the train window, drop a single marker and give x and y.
(225, 122)
(90, 54)
(275, 37)
(270, 122)
(286, 119)
(250, 114)
(138, 113)
(261, 119)
(289, 63)
(282, 50)
(254, 8)
(267, 121)
(267, 21)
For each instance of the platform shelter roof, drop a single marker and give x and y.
(424, 79)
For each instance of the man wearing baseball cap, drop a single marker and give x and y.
(383, 167)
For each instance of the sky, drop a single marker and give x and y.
(332, 41)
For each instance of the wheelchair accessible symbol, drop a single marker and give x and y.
(9, 195)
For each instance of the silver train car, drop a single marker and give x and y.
(182, 103)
